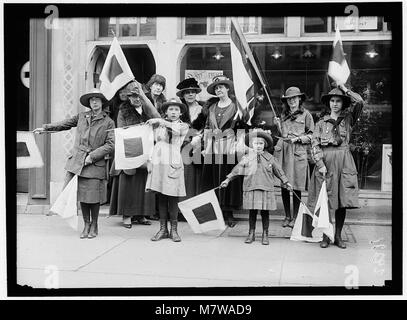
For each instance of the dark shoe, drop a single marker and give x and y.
(265, 238)
(163, 232)
(231, 223)
(251, 237)
(292, 223)
(142, 221)
(286, 222)
(173, 233)
(93, 230)
(85, 231)
(155, 218)
(325, 242)
(127, 225)
(339, 242)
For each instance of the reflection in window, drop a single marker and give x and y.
(195, 26)
(272, 25)
(315, 24)
(147, 27)
(127, 27)
(107, 26)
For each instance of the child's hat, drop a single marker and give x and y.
(258, 133)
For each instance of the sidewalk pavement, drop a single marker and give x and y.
(121, 257)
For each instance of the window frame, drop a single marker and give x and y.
(117, 31)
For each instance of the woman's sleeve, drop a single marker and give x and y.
(356, 106)
(121, 121)
(149, 109)
(239, 169)
(309, 129)
(278, 171)
(107, 147)
(316, 153)
(62, 125)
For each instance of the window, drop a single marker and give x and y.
(272, 25)
(357, 24)
(195, 26)
(127, 27)
(315, 24)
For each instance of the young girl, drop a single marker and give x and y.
(259, 168)
(166, 170)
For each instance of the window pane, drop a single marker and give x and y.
(272, 25)
(195, 26)
(106, 26)
(147, 26)
(218, 25)
(363, 23)
(315, 24)
(128, 27)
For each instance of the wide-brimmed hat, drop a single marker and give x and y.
(94, 93)
(258, 133)
(217, 81)
(337, 92)
(173, 102)
(188, 84)
(293, 92)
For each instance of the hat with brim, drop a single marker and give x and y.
(336, 92)
(259, 134)
(186, 85)
(293, 92)
(173, 102)
(217, 81)
(84, 100)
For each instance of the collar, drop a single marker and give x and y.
(253, 155)
(328, 116)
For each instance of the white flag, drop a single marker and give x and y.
(133, 146)
(321, 214)
(66, 204)
(303, 229)
(116, 71)
(338, 67)
(203, 212)
(28, 154)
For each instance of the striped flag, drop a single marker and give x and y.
(246, 75)
(303, 229)
(338, 67)
(203, 212)
(116, 71)
(28, 154)
(321, 218)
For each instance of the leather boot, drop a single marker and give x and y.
(173, 233)
(251, 237)
(265, 237)
(325, 241)
(86, 228)
(163, 232)
(339, 222)
(93, 232)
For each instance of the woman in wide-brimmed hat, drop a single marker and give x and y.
(334, 161)
(92, 143)
(128, 197)
(297, 126)
(259, 169)
(166, 169)
(191, 147)
(220, 154)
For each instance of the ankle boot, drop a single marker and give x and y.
(325, 241)
(338, 240)
(86, 228)
(173, 233)
(251, 237)
(163, 232)
(265, 237)
(93, 232)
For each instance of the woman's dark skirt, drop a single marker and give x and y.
(129, 197)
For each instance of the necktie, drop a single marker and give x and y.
(335, 129)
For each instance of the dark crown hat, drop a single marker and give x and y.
(293, 92)
(188, 84)
(156, 78)
(84, 100)
(258, 133)
(336, 92)
(173, 102)
(217, 81)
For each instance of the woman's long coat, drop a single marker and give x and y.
(92, 138)
(327, 149)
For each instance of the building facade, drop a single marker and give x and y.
(291, 51)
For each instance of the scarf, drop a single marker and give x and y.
(335, 124)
